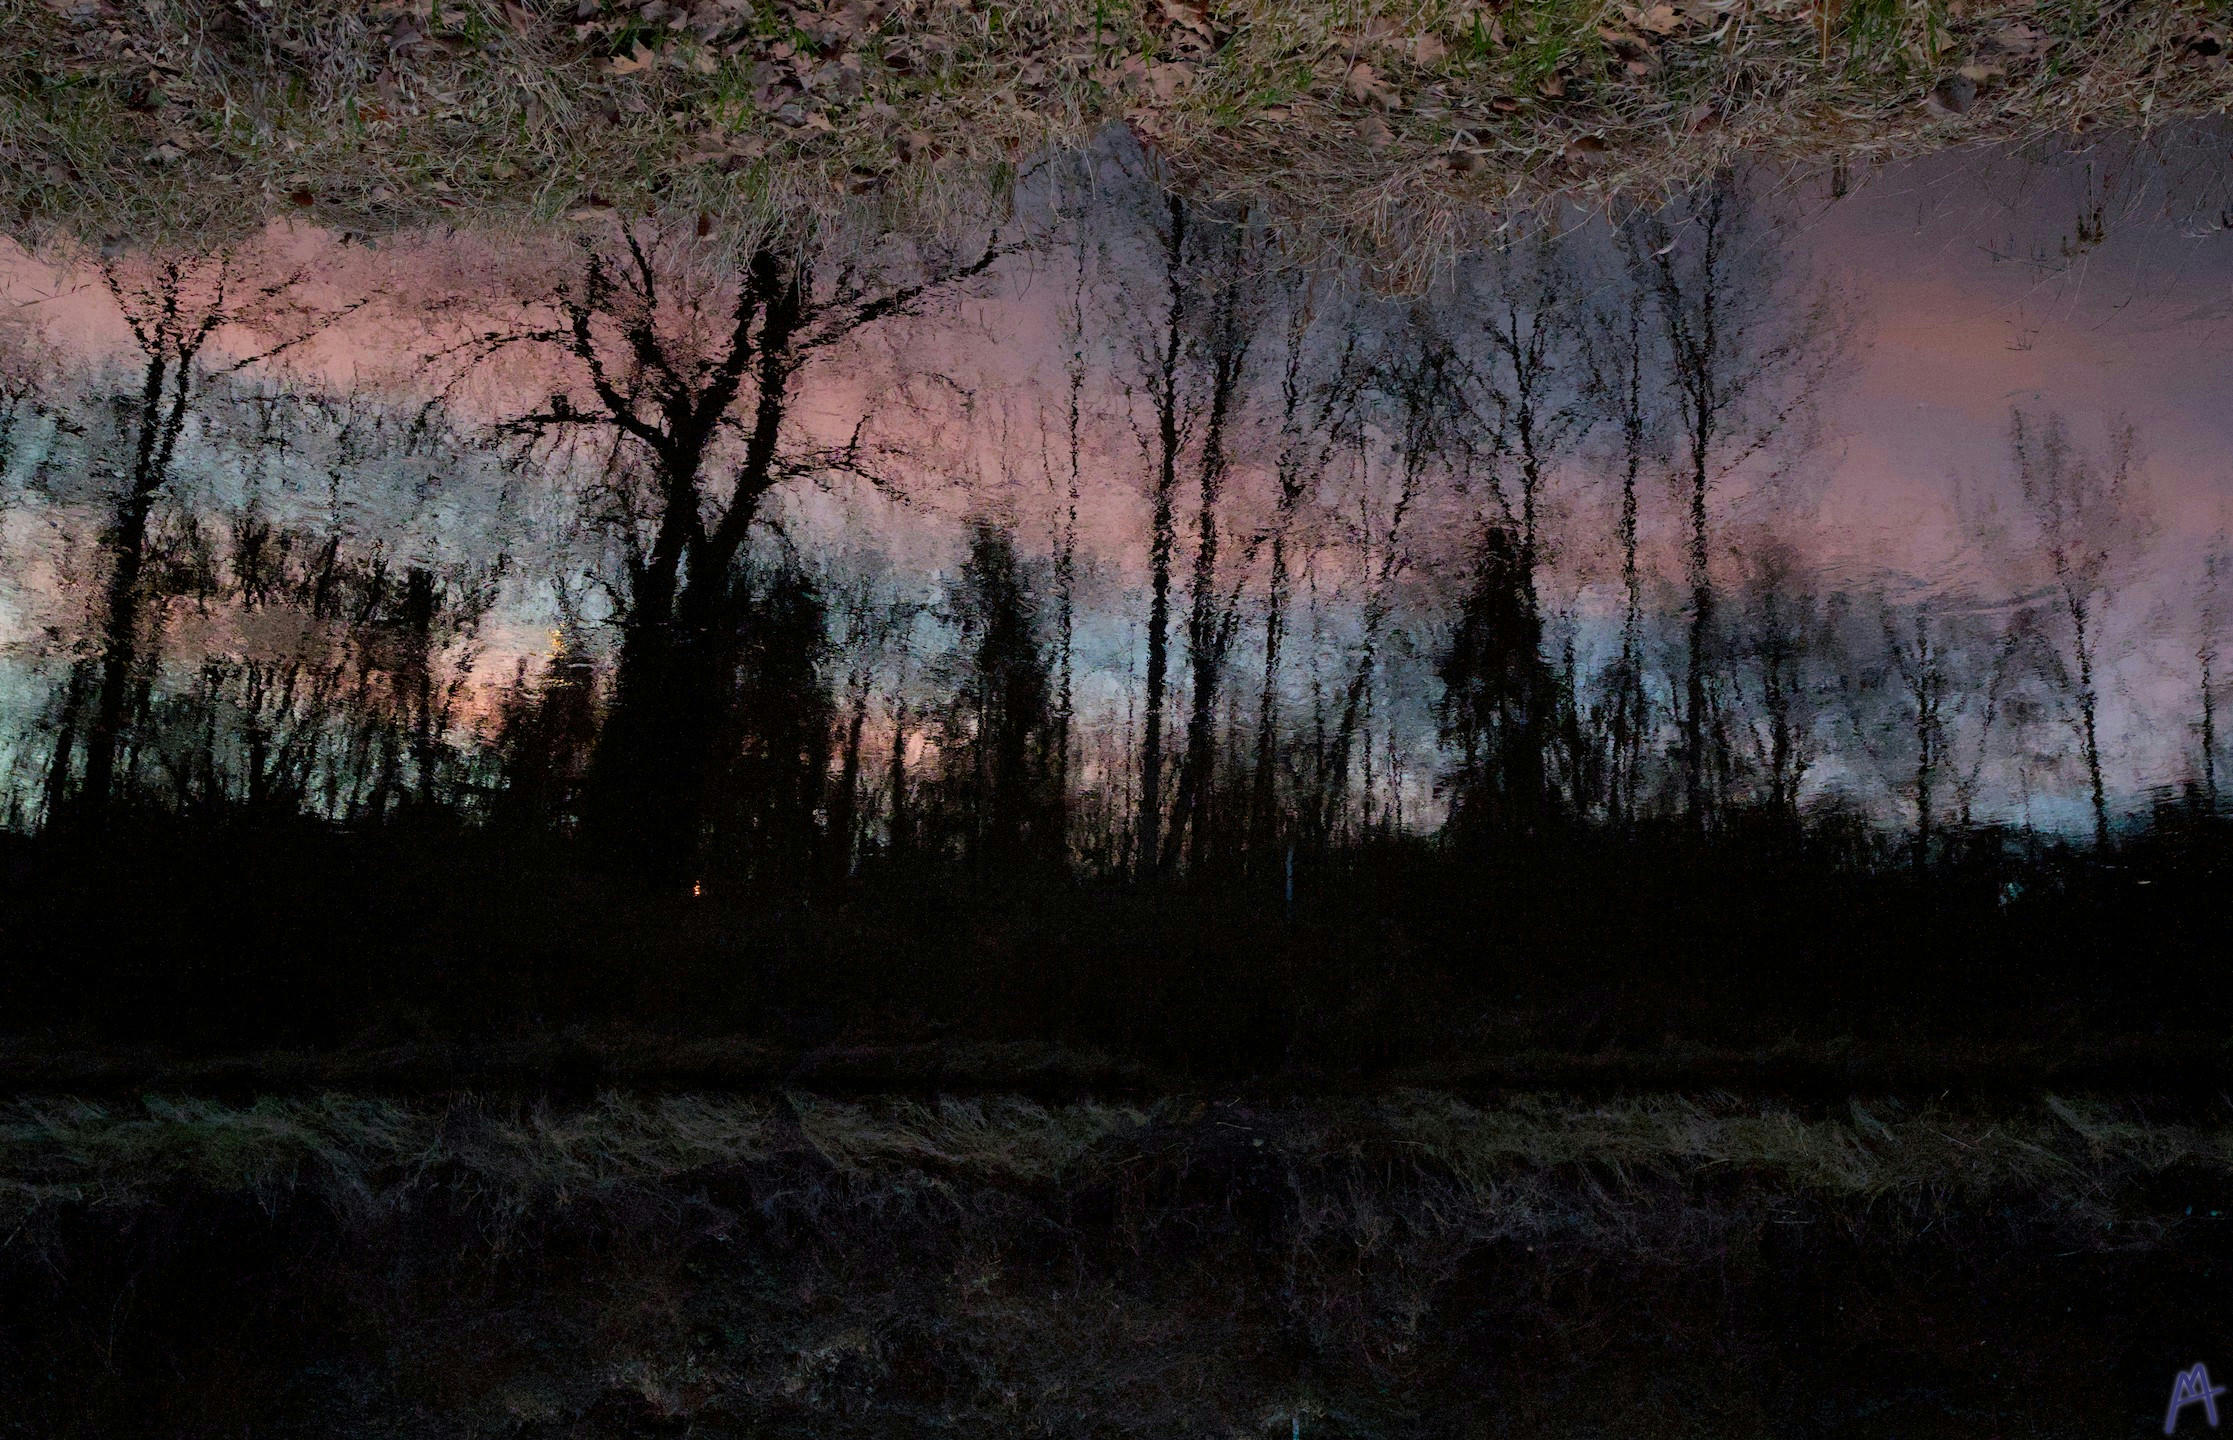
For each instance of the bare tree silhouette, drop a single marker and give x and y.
(173, 308)
(692, 365)
(1745, 356)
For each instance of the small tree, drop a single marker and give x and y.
(2077, 521)
(999, 732)
(1495, 683)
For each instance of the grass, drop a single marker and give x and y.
(794, 1264)
(1527, 1164)
(1395, 128)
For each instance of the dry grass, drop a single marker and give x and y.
(1518, 1167)
(1395, 127)
(803, 1266)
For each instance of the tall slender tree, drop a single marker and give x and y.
(1746, 355)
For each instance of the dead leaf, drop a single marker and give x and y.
(705, 224)
(1657, 19)
(1165, 81)
(300, 197)
(1428, 51)
(1364, 83)
(1553, 86)
(1374, 131)
(1190, 17)
(642, 58)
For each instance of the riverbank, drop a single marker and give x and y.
(795, 1264)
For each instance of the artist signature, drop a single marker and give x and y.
(2192, 1387)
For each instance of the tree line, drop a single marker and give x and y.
(1489, 563)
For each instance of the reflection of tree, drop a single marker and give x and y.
(1315, 412)
(1780, 643)
(1157, 364)
(173, 309)
(691, 367)
(1494, 683)
(1411, 393)
(2217, 570)
(1744, 357)
(2077, 519)
(1228, 337)
(997, 735)
(1933, 687)
(1310, 451)
(1618, 347)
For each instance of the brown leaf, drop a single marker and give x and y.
(1552, 85)
(301, 197)
(1364, 83)
(1165, 81)
(1374, 131)
(642, 58)
(1428, 51)
(1659, 19)
(1190, 17)
(705, 224)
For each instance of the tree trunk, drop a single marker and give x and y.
(1163, 538)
